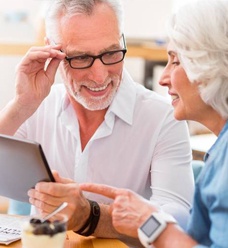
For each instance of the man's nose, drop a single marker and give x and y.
(98, 71)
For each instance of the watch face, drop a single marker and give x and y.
(150, 226)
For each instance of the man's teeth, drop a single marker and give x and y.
(174, 97)
(98, 89)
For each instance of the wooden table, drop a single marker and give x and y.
(76, 241)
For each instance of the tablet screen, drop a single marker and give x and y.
(22, 165)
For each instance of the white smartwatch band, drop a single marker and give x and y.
(153, 227)
(166, 217)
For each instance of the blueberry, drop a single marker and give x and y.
(35, 221)
(43, 228)
(46, 227)
(60, 228)
(47, 221)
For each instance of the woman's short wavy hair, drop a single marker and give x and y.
(68, 8)
(199, 32)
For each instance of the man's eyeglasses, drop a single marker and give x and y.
(107, 58)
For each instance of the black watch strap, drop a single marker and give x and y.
(92, 221)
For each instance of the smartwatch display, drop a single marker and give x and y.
(153, 227)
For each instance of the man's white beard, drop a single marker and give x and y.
(95, 103)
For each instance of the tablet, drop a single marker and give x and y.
(22, 165)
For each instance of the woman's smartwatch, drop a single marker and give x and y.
(153, 227)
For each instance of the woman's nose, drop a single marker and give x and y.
(165, 77)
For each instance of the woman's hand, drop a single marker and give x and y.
(129, 210)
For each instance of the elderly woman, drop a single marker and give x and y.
(197, 77)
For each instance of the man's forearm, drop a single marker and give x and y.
(105, 229)
(10, 119)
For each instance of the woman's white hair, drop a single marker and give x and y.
(68, 8)
(199, 31)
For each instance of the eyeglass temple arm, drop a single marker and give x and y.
(124, 41)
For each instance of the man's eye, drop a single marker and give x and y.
(113, 53)
(81, 58)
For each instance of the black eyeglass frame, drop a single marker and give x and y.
(124, 50)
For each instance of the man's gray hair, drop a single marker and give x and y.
(68, 8)
(199, 31)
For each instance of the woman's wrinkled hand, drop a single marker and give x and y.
(129, 210)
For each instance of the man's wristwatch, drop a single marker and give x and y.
(153, 227)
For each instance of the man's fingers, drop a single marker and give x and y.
(41, 55)
(52, 68)
(108, 191)
(59, 179)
